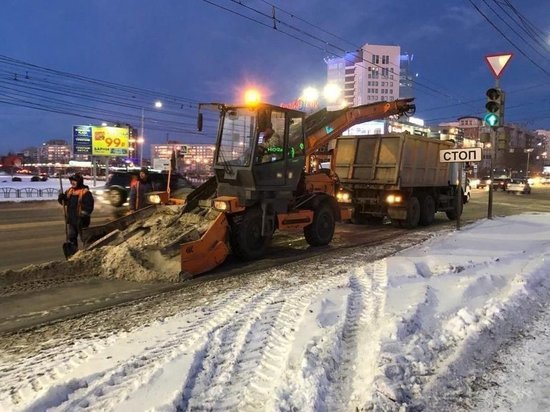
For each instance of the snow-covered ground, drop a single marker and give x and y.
(441, 326)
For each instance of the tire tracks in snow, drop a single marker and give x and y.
(350, 348)
(102, 391)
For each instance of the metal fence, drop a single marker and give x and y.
(28, 192)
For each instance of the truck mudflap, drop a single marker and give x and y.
(210, 251)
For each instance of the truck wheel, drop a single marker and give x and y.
(453, 213)
(427, 210)
(321, 230)
(413, 213)
(247, 242)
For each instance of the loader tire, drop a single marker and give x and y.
(321, 230)
(247, 242)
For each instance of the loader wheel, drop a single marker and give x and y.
(247, 242)
(427, 210)
(321, 230)
(413, 213)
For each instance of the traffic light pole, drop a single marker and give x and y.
(491, 174)
(492, 134)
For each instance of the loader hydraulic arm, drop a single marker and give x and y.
(323, 126)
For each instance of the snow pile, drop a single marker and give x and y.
(148, 250)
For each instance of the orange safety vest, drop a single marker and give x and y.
(135, 184)
(80, 193)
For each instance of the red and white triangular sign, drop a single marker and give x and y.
(497, 62)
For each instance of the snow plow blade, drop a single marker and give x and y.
(91, 235)
(210, 251)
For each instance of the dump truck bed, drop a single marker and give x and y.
(393, 161)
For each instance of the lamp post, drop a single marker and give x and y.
(141, 139)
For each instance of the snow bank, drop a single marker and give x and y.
(148, 251)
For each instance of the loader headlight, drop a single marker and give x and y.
(343, 197)
(221, 205)
(393, 199)
(154, 199)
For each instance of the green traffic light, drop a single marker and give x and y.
(491, 119)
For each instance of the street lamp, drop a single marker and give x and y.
(140, 142)
(141, 139)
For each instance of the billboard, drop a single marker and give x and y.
(101, 140)
(82, 140)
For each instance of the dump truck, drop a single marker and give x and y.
(397, 176)
(262, 188)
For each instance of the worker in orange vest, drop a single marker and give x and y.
(79, 203)
(138, 189)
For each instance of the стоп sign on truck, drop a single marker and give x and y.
(471, 154)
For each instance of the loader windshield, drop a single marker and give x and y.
(237, 137)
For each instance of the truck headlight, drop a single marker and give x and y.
(343, 197)
(393, 199)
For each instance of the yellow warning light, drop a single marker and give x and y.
(252, 97)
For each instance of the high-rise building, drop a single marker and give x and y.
(369, 75)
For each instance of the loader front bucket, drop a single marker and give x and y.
(210, 251)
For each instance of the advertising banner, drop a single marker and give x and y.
(101, 140)
(110, 141)
(82, 140)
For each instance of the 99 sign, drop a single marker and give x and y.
(109, 141)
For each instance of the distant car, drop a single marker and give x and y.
(117, 186)
(500, 183)
(484, 182)
(16, 179)
(467, 191)
(519, 186)
(474, 183)
(35, 178)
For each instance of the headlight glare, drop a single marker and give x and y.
(155, 199)
(220, 205)
(392, 199)
(343, 197)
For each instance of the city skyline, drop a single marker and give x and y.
(197, 51)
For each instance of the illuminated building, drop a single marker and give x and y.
(369, 75)
(192, 159)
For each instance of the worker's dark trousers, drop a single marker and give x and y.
(73, 235)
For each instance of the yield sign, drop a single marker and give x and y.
(497, 62)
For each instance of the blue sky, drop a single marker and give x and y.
(194, 51)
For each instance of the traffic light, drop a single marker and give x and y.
(495, 107)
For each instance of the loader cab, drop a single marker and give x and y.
(259, 149)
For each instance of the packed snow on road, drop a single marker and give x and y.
(435, 327)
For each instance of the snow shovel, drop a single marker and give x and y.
(68, 248)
